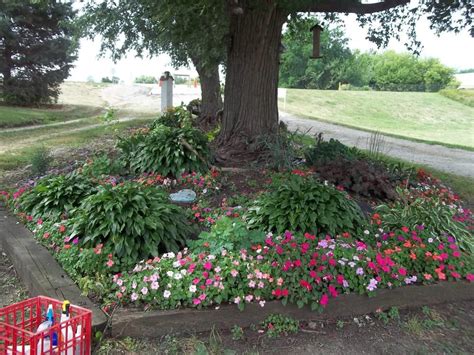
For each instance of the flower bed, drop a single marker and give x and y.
(100, 227)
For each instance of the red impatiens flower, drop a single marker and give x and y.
(62, 228)
(305, 284)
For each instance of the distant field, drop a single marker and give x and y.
(429, 117)
(78, 100)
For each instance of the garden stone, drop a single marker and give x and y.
(183, 196)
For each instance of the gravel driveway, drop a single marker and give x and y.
(450, 160)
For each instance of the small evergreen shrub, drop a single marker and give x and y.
(297, 203)
(331, 150)
(138, 221)
(166, 150)
(55, 195)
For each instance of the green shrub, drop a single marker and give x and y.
(40, 161)
(145, 79)
(175, 117)
(328, 151)
(430, 212)
(297, 203)
(55, 195)
(102, 165)
(359, 176)
(194, 106)
(229, 234)
(166, 151)
(137, 221)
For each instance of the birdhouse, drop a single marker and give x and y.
(316, 29)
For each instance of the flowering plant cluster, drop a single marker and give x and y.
(297, 268)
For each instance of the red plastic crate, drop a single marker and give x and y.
(19, 321)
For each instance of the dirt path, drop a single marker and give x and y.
(450, 160)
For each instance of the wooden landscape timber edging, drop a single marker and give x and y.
(151, 324)
(40, 273)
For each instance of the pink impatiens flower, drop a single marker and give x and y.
(324, 300)
(208, 265)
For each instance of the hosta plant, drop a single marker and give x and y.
(175, 117)
(301, 203)
(55, 195)
(137, 220)
(166, 150)
(429, 211)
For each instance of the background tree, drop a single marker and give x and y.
(187, 31)
(298, 70)
(251, 107)
(251, 31)
(37, 48)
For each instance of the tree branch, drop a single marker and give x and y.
(356, 7)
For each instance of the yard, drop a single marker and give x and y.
(429, 117)
(310, 222)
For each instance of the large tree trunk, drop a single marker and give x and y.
(211, 99)
(251, 107)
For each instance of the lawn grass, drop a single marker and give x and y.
(13, 116)
(77, 100)
(21, 156)
(429, 117)
(465, 97)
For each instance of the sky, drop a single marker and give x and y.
(453, 50)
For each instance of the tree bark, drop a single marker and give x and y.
(211, 99)
(251, 107)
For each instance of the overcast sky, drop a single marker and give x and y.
(454, 50)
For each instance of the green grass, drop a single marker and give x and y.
(465, 97)
(11, 116)
(427, 117)
(22, 155)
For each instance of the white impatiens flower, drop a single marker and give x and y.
(178, 276)
(192, 288)
(176, 264)
(170, 273)
(366, 232)
(166, 294)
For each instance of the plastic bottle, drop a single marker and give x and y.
(66, 330)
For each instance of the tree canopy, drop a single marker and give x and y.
(250, 33)
(339, 64)
(37, 48)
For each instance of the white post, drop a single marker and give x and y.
(166, 83)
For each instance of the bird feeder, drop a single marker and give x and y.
(316, 29)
